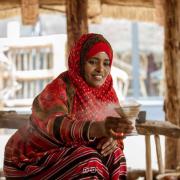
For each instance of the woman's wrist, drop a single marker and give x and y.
(96, 129)
(90, 137)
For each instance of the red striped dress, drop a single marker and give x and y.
(55, 143)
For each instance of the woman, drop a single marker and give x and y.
(73, 128)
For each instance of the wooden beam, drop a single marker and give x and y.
(139, 173)
(128, 12)
(13, 120)
(139, 3)
(29, 11)
(7, 3)
(123, 8)
(52, 2)
(172, 74)
(158, 127)
(94, 8)
(50, 8)
(144, 3)
(169, 175)
(159, 11)
(77, 20)
(4, 6)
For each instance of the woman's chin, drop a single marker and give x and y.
(97, 84)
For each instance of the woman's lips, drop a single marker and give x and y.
(98, 77)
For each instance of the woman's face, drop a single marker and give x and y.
(96, 69)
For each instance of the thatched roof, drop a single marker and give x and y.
(143, 10)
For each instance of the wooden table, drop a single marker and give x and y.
(156, 128)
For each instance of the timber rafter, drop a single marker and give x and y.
(143, 10)
(141, 3)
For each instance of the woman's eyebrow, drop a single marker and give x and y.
(99, 58)
(94, 58)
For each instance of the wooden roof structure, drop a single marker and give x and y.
(144, 10)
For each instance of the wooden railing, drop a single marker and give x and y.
(33, 68)
(31, 62)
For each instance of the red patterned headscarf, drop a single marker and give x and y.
(93, 103)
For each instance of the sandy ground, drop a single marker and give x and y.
(134, 151)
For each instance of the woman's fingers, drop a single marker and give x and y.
(123, 128)
(118, 119)
(107, 143)
(101, 142)
(116, 135)
(115, 125)
(109, 147)
(119, 127)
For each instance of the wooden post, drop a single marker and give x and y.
(77, 21)
(159, 11)
(172, 76)
(29, 11)
(159, 154)
(148, 157)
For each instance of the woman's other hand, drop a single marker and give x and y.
(107, 146)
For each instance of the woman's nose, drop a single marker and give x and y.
(99, 67)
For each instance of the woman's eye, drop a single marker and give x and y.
(92, 61)
(96, 61)
(107, 63)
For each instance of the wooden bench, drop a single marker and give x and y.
(13, 120)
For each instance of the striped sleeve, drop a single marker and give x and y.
(50, 114)
(70, 131)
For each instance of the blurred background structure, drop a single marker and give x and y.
(146, 69)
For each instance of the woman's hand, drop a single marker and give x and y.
(110, 127)
(107, 146)
(116, 127)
